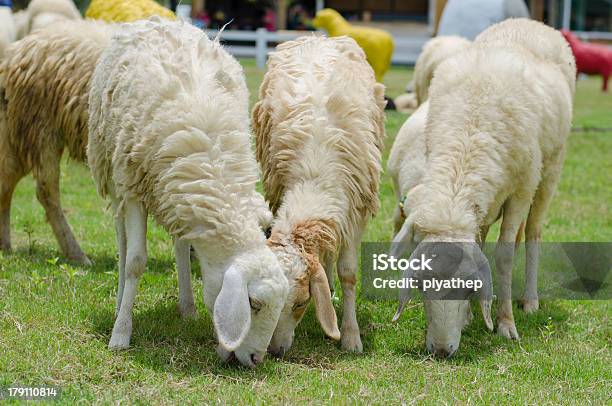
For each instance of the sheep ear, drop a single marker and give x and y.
(324, 308)
(403, 239)
(485, 294)
(400, 244)
(232, 312)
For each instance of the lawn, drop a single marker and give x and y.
(56, 319)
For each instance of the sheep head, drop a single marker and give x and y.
(247, 309)
(448, 310)
(298, 254)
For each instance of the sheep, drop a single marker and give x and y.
(44, 84)
(499, 116)
(192, 168)
(21, 19)
(7, 27)
(126, 10)
(407, 157)
(319, 129)
(42, 13)
(435, 51)
(377, 44)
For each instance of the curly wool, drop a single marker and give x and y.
(319, 139)
(169, 126)
(45, 83)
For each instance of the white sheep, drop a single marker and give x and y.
(407, 157)
(169, 136)
(499, 115)
(319, 129)
(434, 52)
(43, 13)
(44, 85)
(21, 19)
(8, 32)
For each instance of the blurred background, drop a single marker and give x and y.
(410, 22)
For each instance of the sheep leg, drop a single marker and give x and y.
(328, 259)
(347, 272)
(398, 220)
(484, 231)
(533, 229)
(182, 252)
(47, 191)
(135, 265)
(122, 247)
(8, 181)
(514, 212)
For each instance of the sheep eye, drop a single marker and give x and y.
(301, 305)
(256, 305)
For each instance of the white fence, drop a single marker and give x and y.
(406, 49)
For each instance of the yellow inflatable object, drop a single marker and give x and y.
(377, 44)
(126, 10)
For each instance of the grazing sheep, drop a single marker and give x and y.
(127, 10)
(407, 157)
(435, 51)
(44, 85)
(42, 13)
(8, 32)
(499, 115)
(406, 163)
(169, 136)
(319, 129)
(377, 44)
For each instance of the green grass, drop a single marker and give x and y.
(56, 319)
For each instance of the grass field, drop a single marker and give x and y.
(56, 319)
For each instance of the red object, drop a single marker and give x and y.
(591, 58)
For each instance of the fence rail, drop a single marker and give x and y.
(407, 49)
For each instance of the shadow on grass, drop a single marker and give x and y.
(163, 341)
(102, 262)
(478, 342)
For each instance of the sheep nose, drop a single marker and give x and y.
(444, 352)
(256, 359)
(278, 352)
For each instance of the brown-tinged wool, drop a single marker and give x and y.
(320, 121)
(44, 81)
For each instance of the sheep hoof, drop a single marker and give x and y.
(81, 259)
(119, 342)
(188, 311)
(531, 305)
(351, 343)
(507, 329)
